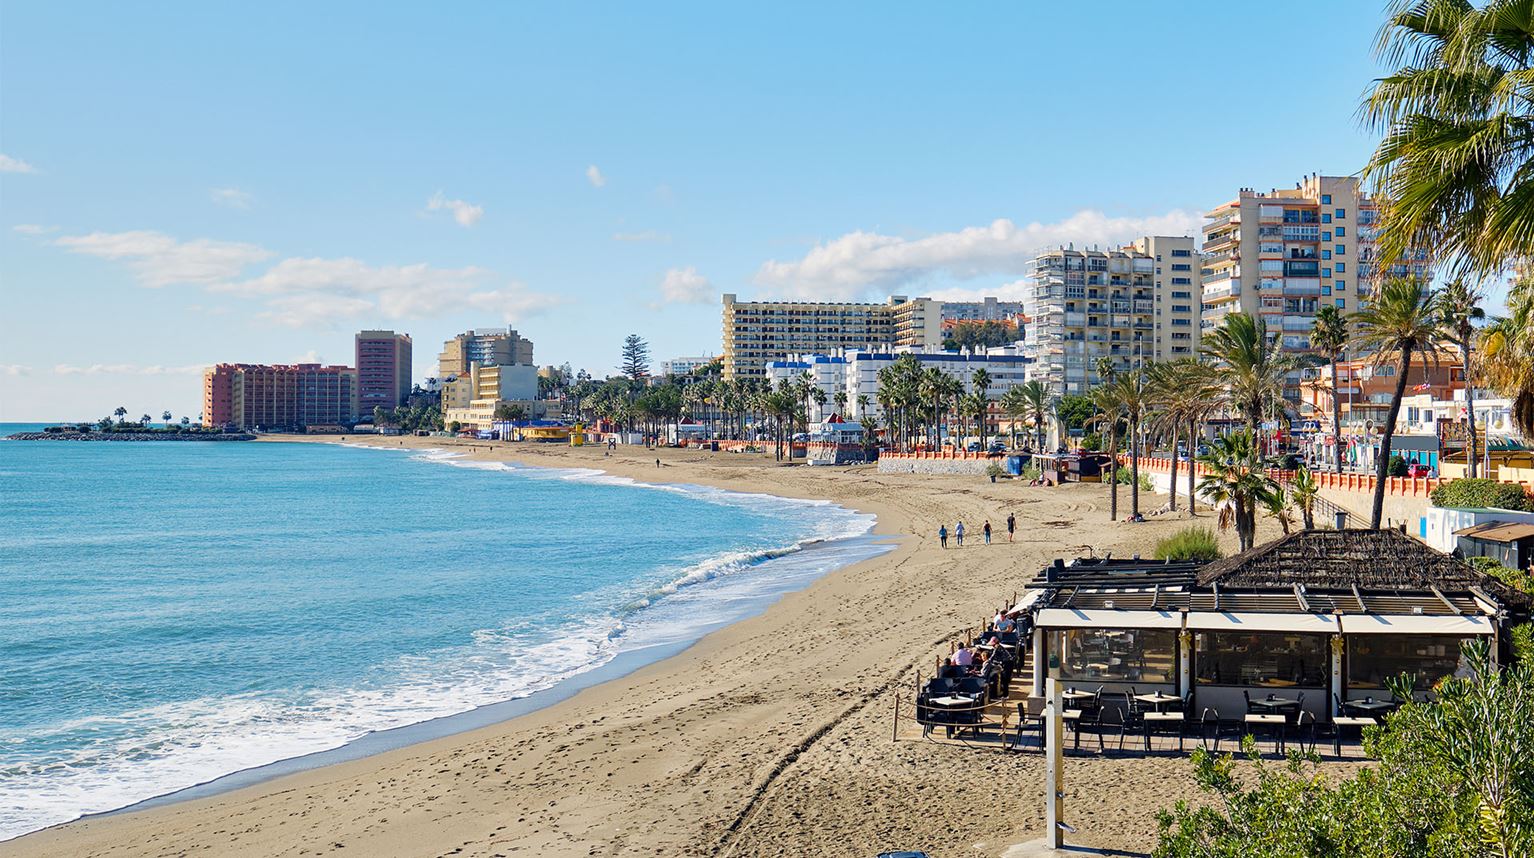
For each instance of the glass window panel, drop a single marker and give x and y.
(1114, 655)
(1373, 659)
(1272, 659)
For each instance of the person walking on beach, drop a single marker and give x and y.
(942, 535)
(958, 535)
(1011, 525)
(987, 531)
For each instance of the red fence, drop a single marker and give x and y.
(1411, 487)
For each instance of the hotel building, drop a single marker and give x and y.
(757, 332)
(383, 370)
(484, 347)
(283, 396)
(1134, 305)
(1283, 254)
(471, 399)
(684, 365)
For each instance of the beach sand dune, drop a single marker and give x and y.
(768, 738)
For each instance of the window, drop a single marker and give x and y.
(1326, 199)
(1326, 290)
(1268, 658)
(1342, 213)
(1326, 218)
(1342, 231)
(1326, 254)
(1182, 281)
(1341, 304)
(1181, 253)
(1181, 266)
(1342, 248)
(1181, 308)
(1182, 323)
(1374, 658)
(1342, 285)
(1342, 268)
(1326, 235)
(1326, 272)
(1114, 655)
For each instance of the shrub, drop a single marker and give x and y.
(1398, 466)
(1192, 543)
(993, 470)
(1145, 483)
(1481, 494)
(1092, 441)
(1031, 473)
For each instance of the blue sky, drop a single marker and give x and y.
(188, 183)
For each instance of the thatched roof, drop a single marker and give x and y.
(1341, 559)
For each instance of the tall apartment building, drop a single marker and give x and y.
(282, 396)
(383, 370)
(483, 347)
(756, 332)
(985, 310)
(470, 399)
(1284, 253)
(1281, 255)
(1134, 305)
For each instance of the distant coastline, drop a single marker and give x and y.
(131, 436)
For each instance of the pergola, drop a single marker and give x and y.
(1331, 614)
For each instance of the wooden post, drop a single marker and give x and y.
(895, 732)
(1040, 664)
(1054, 780)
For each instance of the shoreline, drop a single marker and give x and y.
(705, 738)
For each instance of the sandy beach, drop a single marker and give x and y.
(770, 737)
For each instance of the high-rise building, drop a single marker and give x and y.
(471, 399)
(984, 310)
(1133, 305)
(756, 332)
(483, 347)
(1281, 255)
(282, 396)
(685, 365)
(383, 370)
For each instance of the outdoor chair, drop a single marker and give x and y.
(1030, 718)
(1110, 720)
(1209, 729)
(1305, 729)
(1345, 721)
(1078, 720)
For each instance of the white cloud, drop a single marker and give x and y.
(686, 286)
(595, 177)
(33, 229)
(124, 369)
(859, 262)
(15, 165)
(467, 214)
(644, 235)
(232, 197)
(14, 369)
(160, 260)
(513, 303)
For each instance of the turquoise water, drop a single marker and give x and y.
(173, 612)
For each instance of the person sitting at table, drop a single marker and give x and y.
(950, 670)
(964, 656)
(977, 667)
(1004, 623)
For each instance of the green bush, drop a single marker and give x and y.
(1481, 494)
(1145, 483)
(1398, 467)
(994, 470)
(1030, 473)
(1192, 543)
(1092, 441)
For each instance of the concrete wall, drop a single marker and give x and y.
(935, 463)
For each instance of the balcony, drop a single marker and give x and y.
(1220, 291)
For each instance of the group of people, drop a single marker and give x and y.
(958, 531)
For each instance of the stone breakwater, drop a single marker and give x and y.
(131, 436)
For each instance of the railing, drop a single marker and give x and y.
(940, 455)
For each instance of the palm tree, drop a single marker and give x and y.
(1110, 414)
(1453, 160)
(1136, 399)
(1401, 319)
(1237, 483)
(1304, 492)
(841, 403)
(934, 386)
(1507, 354)
(1459, 308)
(980, 380)
(1276, 505)
(166, 416)
(1105, 370)
(1030, 400)
(1186, 393)
(1330, 337)
(120, 412)
(1254, 369)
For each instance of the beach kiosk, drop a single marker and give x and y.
(1317, 621)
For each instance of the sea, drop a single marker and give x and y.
(174, 612)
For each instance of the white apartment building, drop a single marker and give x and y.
(684, 365)
(1133, 305)
(758, 332)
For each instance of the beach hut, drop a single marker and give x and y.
(1510, 543)
(1310, 621)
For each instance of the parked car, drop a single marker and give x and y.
(1416, 470)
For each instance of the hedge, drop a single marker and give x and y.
(1481, 494)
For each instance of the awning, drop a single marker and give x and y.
(1026, 601)
(1107, 618)
(1413, 624)
(1498, 531)
(1250, 621)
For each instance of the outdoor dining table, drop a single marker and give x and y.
(1072, 695)
(1158, 699)
(952, 702)
(1273, 703)
(1372, 708)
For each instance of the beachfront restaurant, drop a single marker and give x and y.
(1316, 621)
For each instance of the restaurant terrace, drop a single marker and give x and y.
(1295, 636)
